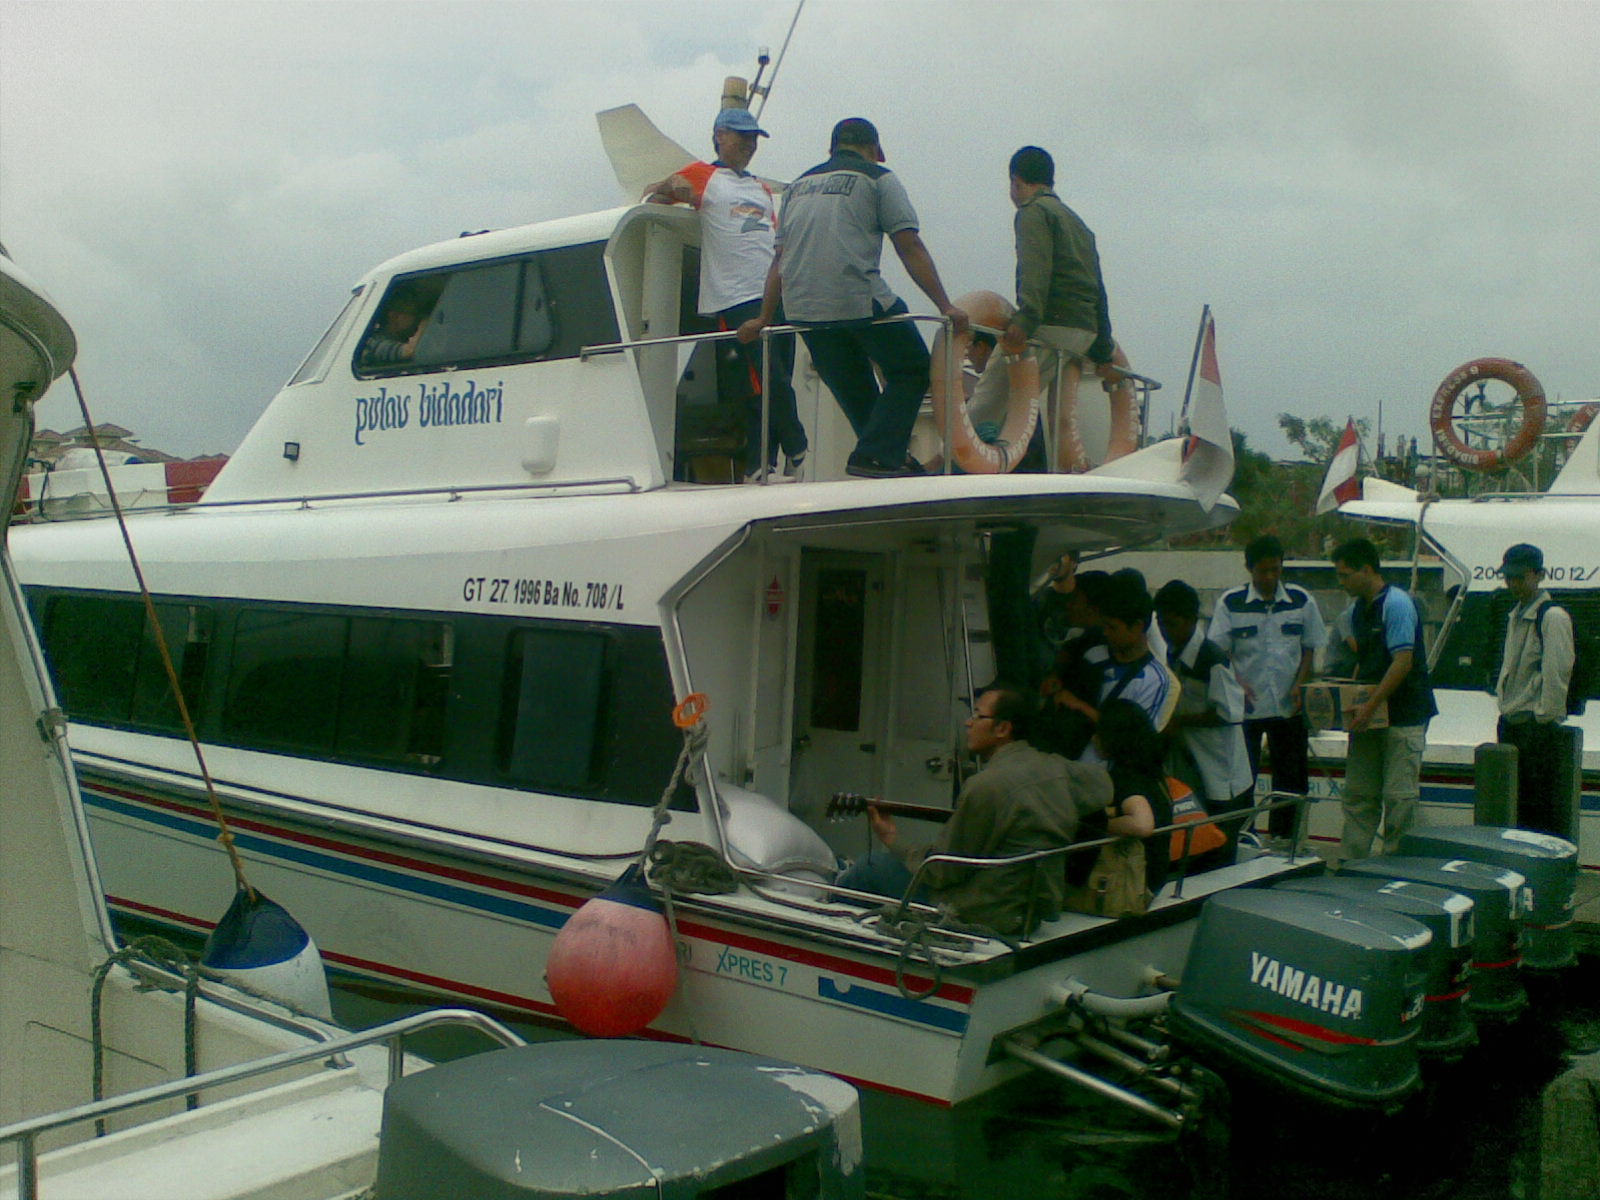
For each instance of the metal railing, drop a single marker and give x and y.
(25, 1134)
(1237, 816)
(1048, 409)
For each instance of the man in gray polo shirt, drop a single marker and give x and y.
(830, 238)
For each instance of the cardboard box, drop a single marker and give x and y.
(1329, 702)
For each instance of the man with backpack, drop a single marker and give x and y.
(1535, 675)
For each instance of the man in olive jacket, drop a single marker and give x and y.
(1061, 297)
(1022, 800)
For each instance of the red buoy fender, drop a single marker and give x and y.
(1442, 411)
(972, 453)
(613, 966)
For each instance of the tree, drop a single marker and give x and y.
(1317, 438)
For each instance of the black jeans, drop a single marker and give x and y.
(1286, 743)
(1539, 748)
(784, 430)
(845, 355)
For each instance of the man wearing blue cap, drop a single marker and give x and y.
(737, 230)
(1531, 690)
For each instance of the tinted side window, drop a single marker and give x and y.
(540, 306)
(93, 643)
(551, 709)
(474, 317)
(187, 630)
(396, 678)
(283, 686)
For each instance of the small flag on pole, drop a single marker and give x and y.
(1340, 485)
(1208, 457)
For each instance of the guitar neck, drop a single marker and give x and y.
(845, 804)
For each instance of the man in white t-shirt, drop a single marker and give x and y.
(737, 227)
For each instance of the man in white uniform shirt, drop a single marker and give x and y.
(738, 226)
(1271, 632)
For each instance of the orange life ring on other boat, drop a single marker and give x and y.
(1582, 419)
(1529, 391)
(972, 454)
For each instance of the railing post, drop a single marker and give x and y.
(766, 398)
(27, 1168)
(952, 389)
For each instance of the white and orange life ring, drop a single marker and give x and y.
(973, 454)
(1583, 418)
(1441, 413)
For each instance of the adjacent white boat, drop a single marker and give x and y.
(78, 1020)
(1470, 536)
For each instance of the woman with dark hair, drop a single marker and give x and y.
(1140, 802)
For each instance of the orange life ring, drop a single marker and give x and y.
(972, 454)
(1582, 419)
(1124, 410)
(1529, 391)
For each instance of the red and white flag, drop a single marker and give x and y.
(1208, 457)
(1340, 485)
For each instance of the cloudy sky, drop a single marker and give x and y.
(1367, 194)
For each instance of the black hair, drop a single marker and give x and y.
(1092, 586)
(982, 338)
(1126, 600)
(1356, 553)
(1013, 704)
(1033, 165)
(853, 131)
(1179, 599)
(1265, 546)
(1127, 738)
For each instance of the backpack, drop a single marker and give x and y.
(1585, 656)
(1186, 809)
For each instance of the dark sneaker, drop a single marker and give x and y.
(863, 467)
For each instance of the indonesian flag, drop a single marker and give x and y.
(1208, 457)
(1341, 485)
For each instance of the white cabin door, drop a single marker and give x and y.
(838, 720)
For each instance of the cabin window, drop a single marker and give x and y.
(838, 658)
(106, 665)
(94, 643)
(315, 368)
(361, 688)
(551, 711)
(542, 306)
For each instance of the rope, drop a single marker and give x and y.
(224, 834)
(164, 954)
(916, 930)
(689, 867)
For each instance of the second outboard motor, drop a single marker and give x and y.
(1550, 865)
(1447, 1027)
(1308, 991)
(1497, 895)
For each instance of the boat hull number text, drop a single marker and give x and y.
(751, 967)
(542, 593)
(1576, 573)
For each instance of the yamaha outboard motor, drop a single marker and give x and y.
(1550, 865)
(1447, 1027)
(1307, 991)
(1497, 895)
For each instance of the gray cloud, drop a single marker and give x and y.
(1367, 194)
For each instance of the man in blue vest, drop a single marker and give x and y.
(1383, 767)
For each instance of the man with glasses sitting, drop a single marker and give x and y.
(1022, 800)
